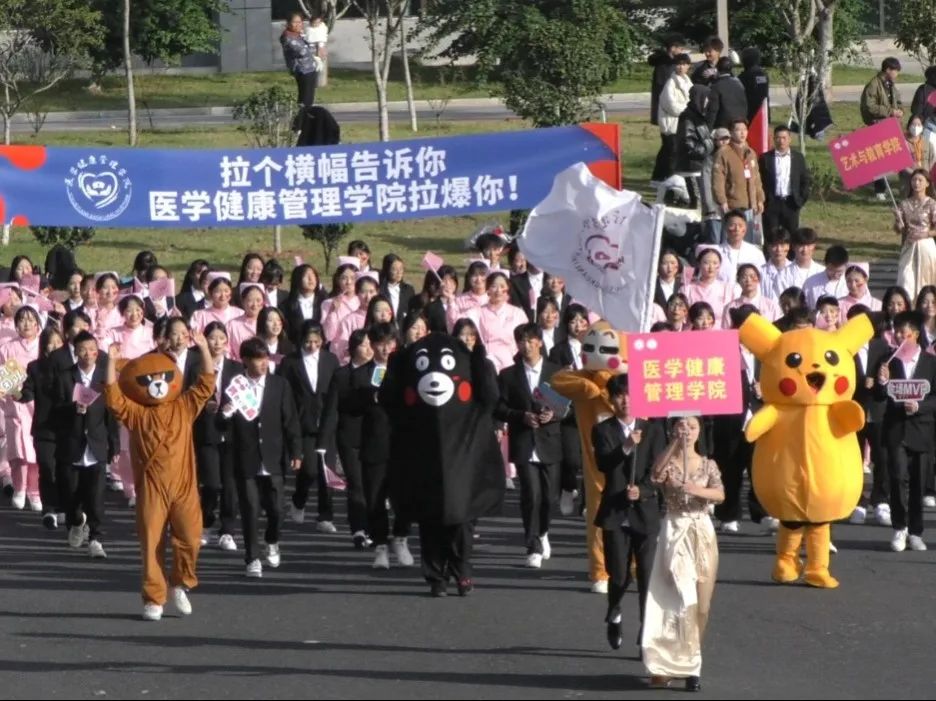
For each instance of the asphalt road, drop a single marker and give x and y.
(326, 625)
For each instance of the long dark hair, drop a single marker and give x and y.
(295, 282)
(192, 275)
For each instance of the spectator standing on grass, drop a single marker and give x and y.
(880, 100)
(301, 58)
(663, 62)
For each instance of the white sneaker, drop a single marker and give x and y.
(19, 500)
(204, 540)
(116, 485)
(771, 524)
(867, 469)
(78, 534)
(181, 601)
(916, 543)
(96, 550)
(152, 612)
(547, 548)
(296, 515)
(273, 555)
(381, 558)
(882, 514)
(567, 503)
(131, 502)
(928, 501)
(254, 569)
(899, 541)
(731, 527)
(509, 484)
(402, 552)
(832, 548)
(600, 587)
(35, 504)
(326, 527)
(881, 197)
(858, 516)
(534, 561)
(226, 542)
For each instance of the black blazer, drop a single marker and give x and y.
(272, 438)
(873, 405)
(185, 302)
(285, 348)
(520, 289)
(608, 440)
(310, 404)
(149, 309)
(659, 297)
(407, 293)
(292, 310)
(375, 422)
(913, 432)
(800, 180)
(210, 428)
(41, 388)
(516, 398)
(96, 428)
(343, 417)
(435, 315)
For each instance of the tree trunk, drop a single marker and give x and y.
(128, 68)
(826, 41)
(277, 239)
(410, 98)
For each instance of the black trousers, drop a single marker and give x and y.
(880, 480)
(571, 466)
(781, 212)
(86, 495)
(665, 164)
(52, 491)
(378, 517)
(350, 457)
(539, 491)
(306, 83)
(734, 455)
(311, 471)
(218, 486)
(620, 546)
(254, 494)
(907, 469)
(445, 551)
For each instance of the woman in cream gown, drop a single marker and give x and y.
(915, 222)
(683, 578)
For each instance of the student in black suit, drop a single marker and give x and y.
(263, 447)
(554, 288)
(431, 302)
(87, 441)
(213, 445)
(342, 419)
(310, 373)
(177, 343)
(73, 323)
(669, 278)
(867, 363)
(629, 513)
(271, 329)
(375, 448)
(192, 295)
(525, 286)
(786, 182)
(153, 308)
(272, 279)
(304, 302)
(908, 432)
(394, 288)
(535, 443)
(550, 323)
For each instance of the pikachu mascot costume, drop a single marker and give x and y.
(148, 399)
(807, 463)
(604, 355)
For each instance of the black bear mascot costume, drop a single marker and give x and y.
(445, 467)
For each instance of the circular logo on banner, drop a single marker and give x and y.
(98, 188)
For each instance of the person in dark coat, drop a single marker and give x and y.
(662, 62)
(706, 72)
(755, 81)
(924, 100)
(693, 135)
(728, 101)
(786, 185)
(445, 465)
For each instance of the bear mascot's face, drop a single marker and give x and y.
(603, 348)
(151, 379)
(806, 366)
(436, 372)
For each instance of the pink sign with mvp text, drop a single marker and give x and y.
(695, 372)
(870, 153)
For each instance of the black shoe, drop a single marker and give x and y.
(360, 541)
(438, 590)
(8, 491)
(50, 521)
(693, 684)
(465, 587)
(615, 636)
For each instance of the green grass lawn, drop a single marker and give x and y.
(345, 85)
(850, 218)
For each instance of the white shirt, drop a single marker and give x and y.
(820, 285)
(576, 346)
(198, 295)
(393, 291)
(272, 348)
(533, 379)
(769, 275)
(180, 360)
(863, 358)
(311, 363)
(910, 365)
(88, 459)
(219, 368)
(628, 430)
(668, 289)
(74, 303)
(258, 385)
(733, 258)
(307, 306)
(272, 297)
(549, 340)
(783, 161)
(795, 276)
(536, 283)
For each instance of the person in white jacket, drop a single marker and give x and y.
(673, 100)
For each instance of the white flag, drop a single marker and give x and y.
(603, 242)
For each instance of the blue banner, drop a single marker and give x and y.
(122, 187)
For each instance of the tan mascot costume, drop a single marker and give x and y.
(604, 354)
(807, 463)
(149, 401)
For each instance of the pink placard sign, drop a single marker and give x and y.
(670, 376)
(84, 395)
(870, 153)
(164, 287)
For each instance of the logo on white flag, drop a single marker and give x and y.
(599, 258)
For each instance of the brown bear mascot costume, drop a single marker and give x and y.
(149, 401)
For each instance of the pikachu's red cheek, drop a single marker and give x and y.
(787, 387)
(841, 385)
